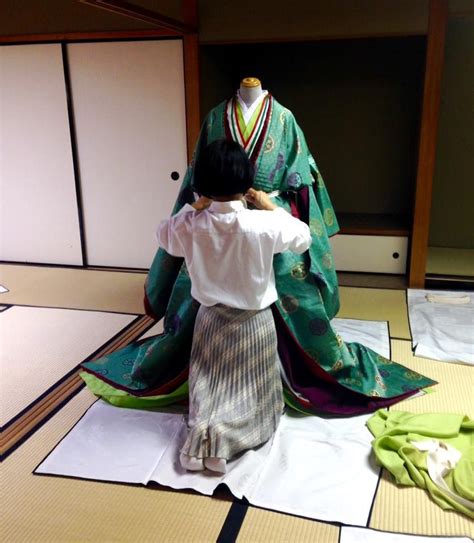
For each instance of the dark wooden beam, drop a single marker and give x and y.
(189, 15)
(128, 9)
(438, 17)
(191, 85)
(87, 36)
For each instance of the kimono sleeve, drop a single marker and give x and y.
(165, 268)
(297, 172)
(302, 170)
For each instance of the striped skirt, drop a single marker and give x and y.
(235, 390)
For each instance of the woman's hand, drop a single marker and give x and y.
(260, 200)
(202, 203)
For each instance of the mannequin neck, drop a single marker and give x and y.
(250, 94)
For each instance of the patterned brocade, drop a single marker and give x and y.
(324, 373)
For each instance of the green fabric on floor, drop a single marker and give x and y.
(120, 398)
(394, 433)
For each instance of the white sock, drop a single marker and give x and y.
(216, 464)
(191, 462)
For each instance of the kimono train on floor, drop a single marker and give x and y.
(320, 372)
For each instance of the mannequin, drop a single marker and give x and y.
(250, 96)
(250, 90)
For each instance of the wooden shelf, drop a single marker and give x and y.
(374, 224)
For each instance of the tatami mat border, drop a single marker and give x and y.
(398, 318)
(74, 267)
(55, 509)
(76, 368)
(77, 309)
(404, 509)
(21, 437)
(36, 414)
(233, 522)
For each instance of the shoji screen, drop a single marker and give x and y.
(39, 217)
(129, 112)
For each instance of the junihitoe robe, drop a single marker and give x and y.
(320, 372)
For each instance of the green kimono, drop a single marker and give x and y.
(322, 372)
(413, 446)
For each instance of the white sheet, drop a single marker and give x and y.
(351, 534)
(373, 334)
(313, 467)
(3, 289)
(442, 331)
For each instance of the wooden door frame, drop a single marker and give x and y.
(438, 17)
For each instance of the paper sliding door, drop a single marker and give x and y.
(39, 219)
(129, 113)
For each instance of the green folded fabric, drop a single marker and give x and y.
(120, 398)
(395, 434)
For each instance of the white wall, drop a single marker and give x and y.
(128, 105)
(39, 217)
(129, 110)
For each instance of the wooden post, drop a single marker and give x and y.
(191, 75)
(438, 17)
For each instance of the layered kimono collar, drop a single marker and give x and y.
(250, 138)
(248, 111)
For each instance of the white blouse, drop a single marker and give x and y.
(229, 250)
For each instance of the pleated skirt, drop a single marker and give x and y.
(235, 389)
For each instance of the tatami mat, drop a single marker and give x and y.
(447, 261)
(265, 526)
(453, 394)
(40, 509)
(377, 305)
(73, 288)
(371, 280)
(123, 292)
(47, 343)
(409, 509)
(42, 408)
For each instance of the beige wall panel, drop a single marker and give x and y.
(452, 223)
(33, 17)
(39, 218)
(130, 124)
(260, 21)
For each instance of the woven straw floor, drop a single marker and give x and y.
(47, 343)
(38, 508)
(72, 288)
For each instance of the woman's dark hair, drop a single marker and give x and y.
(223, 169)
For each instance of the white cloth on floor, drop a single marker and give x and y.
(308, 456)
(442, 331)
(351, 534)
(313, 467)
(373, 334)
